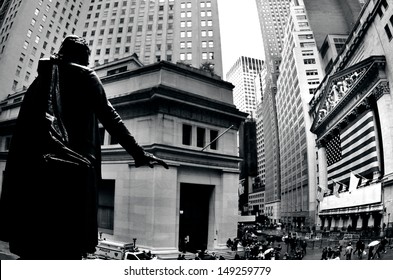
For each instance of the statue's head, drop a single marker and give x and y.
(74, 49)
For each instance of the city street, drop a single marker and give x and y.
(312, 254)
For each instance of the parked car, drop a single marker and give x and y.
(136, 256)
(113, 250)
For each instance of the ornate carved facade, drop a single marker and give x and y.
(352, 112)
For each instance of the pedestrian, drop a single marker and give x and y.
(384, 242)
(54, 161)
(324, 254)
(359, 248)
(229, 243)
(330, 253)
(348, 251)
(247, 252)
(378, 251)
(371, 253)
(304, 246)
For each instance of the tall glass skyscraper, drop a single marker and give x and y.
(177, 31)
(30, 30)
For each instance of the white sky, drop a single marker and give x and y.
(240, 31)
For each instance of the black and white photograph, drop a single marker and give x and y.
(159, 131)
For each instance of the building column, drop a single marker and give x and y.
(319, 224)
(322, 163)
(340, 223)
(385, 104)
(370, 220)
(359, 222)
(333, 223)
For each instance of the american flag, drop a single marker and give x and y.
(354, 149)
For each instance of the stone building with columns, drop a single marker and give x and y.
(352, 112)
(175, 112)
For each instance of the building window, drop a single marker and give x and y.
(187, 134)
(309, 61)
(18, 69)
(213, 136)
(201, 132)
(14, 85)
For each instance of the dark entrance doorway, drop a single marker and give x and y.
(194, 216)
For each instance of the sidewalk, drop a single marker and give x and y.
(315, 254)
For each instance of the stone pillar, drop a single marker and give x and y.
(385, 111)
(319, 223)
(322, 162)
(333, 224)
(340, 222)
(359, 222)
(370, 220)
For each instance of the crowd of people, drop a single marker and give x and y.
(374, 252)
(251, 245)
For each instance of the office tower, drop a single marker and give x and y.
(331, 22)
(272, 17)
(4, 5)
(259, 85)
(176, 31)
(29, 31)
(242, 75)
(300, 74)
(268, 145)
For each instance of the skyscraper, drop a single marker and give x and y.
(272, 17)
(30, 30)
(300, 74)
(242, 75)
(177, 31)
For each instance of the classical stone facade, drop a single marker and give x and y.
(174, 112)
(352, 113)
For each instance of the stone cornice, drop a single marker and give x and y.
(168, 66)
(179, 155)
(166, 100)
(354, 40)
(369, 73)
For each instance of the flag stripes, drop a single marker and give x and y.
(354, 149)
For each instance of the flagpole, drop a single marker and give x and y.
(215, 139)
(357, 174)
